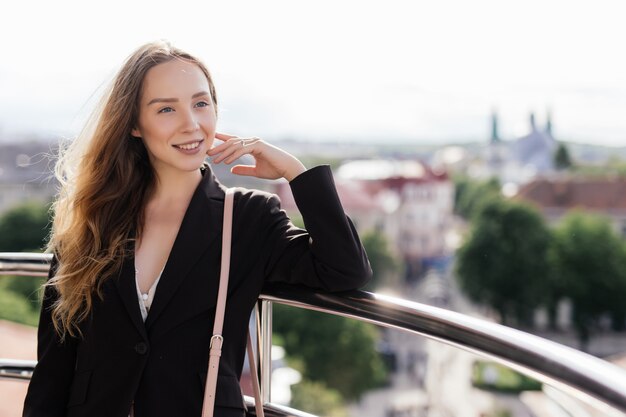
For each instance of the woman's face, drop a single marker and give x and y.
(176, 116)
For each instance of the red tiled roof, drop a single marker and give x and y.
(594, 194)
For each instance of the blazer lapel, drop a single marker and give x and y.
(201, 225)
(128, 292)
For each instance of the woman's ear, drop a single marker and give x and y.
(135, 133)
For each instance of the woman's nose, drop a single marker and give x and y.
(190, 122)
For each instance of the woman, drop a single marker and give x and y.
(129, 306)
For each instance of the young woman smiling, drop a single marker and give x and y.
(129, 305)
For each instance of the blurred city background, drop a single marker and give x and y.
(479, 147)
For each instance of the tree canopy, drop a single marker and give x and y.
(23, 228)
(503, 263)
(589, 268)
(470, 195)
(562, 158)
(337, 351)
(384, 264)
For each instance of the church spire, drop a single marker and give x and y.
(495, 138)
(549, 123)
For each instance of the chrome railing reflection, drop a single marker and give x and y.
(594, 380)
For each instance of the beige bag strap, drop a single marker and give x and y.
(215, 350)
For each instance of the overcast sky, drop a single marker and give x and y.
(411, 71)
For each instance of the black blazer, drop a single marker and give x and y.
(161, 364)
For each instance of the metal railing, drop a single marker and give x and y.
(596, 381)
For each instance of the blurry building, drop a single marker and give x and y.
(497, 153)
(534, 152)
(555, 197)
(515, 161)
(367, 213)
(405, 200)
(26, 174)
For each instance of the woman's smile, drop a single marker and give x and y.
(189, 148)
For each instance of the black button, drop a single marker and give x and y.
(141, 348)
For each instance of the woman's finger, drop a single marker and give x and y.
(240, 151)
(219, 148)
(220, 154)
(235, 150)
(231, 141)
(247, 170)
(224, 136)
(227, 147)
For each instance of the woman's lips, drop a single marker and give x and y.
(189, 148)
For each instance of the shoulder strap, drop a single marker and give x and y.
(215, 350)
(225, 268)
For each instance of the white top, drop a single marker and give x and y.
(145, 299)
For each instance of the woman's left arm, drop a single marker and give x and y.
(328, 254)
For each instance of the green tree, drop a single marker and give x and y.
(316, 398)
(503, 262)
(471, 195)
(24, 228)
(336, 351)
(562, 159)
(14, 307)
(383, 263)
(28, 289)
(589, 268)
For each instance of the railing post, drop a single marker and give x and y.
(266, 350)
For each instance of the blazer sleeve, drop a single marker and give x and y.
(328, 255)
(50, 383)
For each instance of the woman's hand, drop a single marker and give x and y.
(271, 162)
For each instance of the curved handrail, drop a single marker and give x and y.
(594, 379)
(584, 375)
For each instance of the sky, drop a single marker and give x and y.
(424, 72)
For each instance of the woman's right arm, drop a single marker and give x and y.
(50, 383)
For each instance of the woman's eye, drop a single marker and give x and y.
(202, 104)
(166, 110)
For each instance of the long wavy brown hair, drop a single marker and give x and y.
(106, 179)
